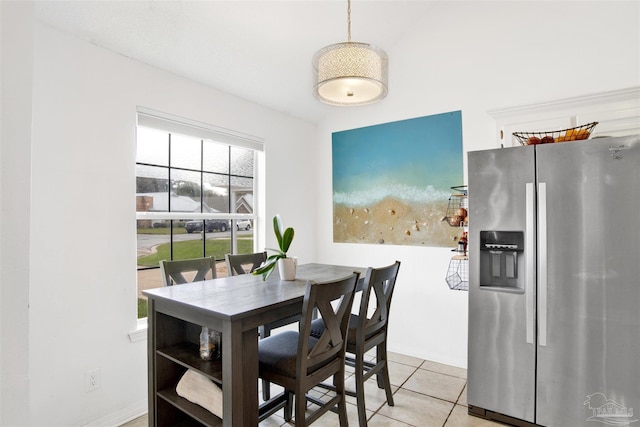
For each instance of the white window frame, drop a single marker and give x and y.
(174, 124)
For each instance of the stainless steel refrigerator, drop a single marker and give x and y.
(554, 283)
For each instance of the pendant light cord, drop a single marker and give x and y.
(349, 21)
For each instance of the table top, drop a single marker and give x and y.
(238, 296)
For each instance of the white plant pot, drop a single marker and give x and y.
(287, 268)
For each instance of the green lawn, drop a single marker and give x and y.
(190, 249)
(193, 249)
(143, 308)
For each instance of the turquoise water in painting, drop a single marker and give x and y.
(415, 160)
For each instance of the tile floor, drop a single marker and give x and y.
(426, 394)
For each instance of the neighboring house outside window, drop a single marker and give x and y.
(194, 196)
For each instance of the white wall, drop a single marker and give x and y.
(81, 223)
(15, 170)
(475, 57)
(82, 288)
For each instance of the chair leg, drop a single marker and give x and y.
(264, 332)
(383, 375)
(301, 409)
(288, 406)
(359, 368)
(338, 381)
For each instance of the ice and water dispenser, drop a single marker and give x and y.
(501, 255)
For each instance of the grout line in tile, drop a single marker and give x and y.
(449, 415)
(414, 371)
(454, 404)
(461, 391)
(393, 393)
(440, 372)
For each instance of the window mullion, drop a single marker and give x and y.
(233, 231)
(170, 185)
(204, 227)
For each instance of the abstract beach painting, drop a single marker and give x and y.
(392, 181)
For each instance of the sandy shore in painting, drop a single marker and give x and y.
(394, 222)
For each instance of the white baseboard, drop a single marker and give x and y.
(122, 416)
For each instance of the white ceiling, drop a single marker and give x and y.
(258, 50)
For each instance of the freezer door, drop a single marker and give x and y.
(589, 283)
(501, 359)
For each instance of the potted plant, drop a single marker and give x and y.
(286, 265)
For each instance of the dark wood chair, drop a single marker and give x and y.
(244, 263)
(298, 361)
(200, 269)
(366, 332)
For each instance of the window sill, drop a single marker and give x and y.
(140, 333)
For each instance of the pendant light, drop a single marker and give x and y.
(350, 73)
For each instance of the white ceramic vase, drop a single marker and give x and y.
(287, 268)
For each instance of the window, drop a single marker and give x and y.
(194, 195)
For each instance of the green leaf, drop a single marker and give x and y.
(275, 257)
(277, 252)
(266, 269)
(286, 240)
(277, 229)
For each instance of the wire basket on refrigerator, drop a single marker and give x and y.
(458, 273)
(576, 133)
(457, 208)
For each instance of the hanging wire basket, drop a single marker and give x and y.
(572, 134)
(458, 273)
(457, 208)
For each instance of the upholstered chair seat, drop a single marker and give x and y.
(298, 362)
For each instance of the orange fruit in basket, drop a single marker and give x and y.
(570, 132)
(546, 139)
(455, 220)
(583, 134)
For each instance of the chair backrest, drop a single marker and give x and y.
(172, 271)
(378, 284)
(244, 263)
(334, 301)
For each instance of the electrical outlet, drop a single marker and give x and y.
(92, 380)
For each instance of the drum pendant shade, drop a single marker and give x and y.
(350, 73)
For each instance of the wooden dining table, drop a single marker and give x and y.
(236, 306)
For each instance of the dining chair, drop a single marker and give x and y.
(366, 332)
(245, 264)
(200, 268)
(298, 361)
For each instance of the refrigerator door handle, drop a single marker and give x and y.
(542, 264)
(529, 261)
